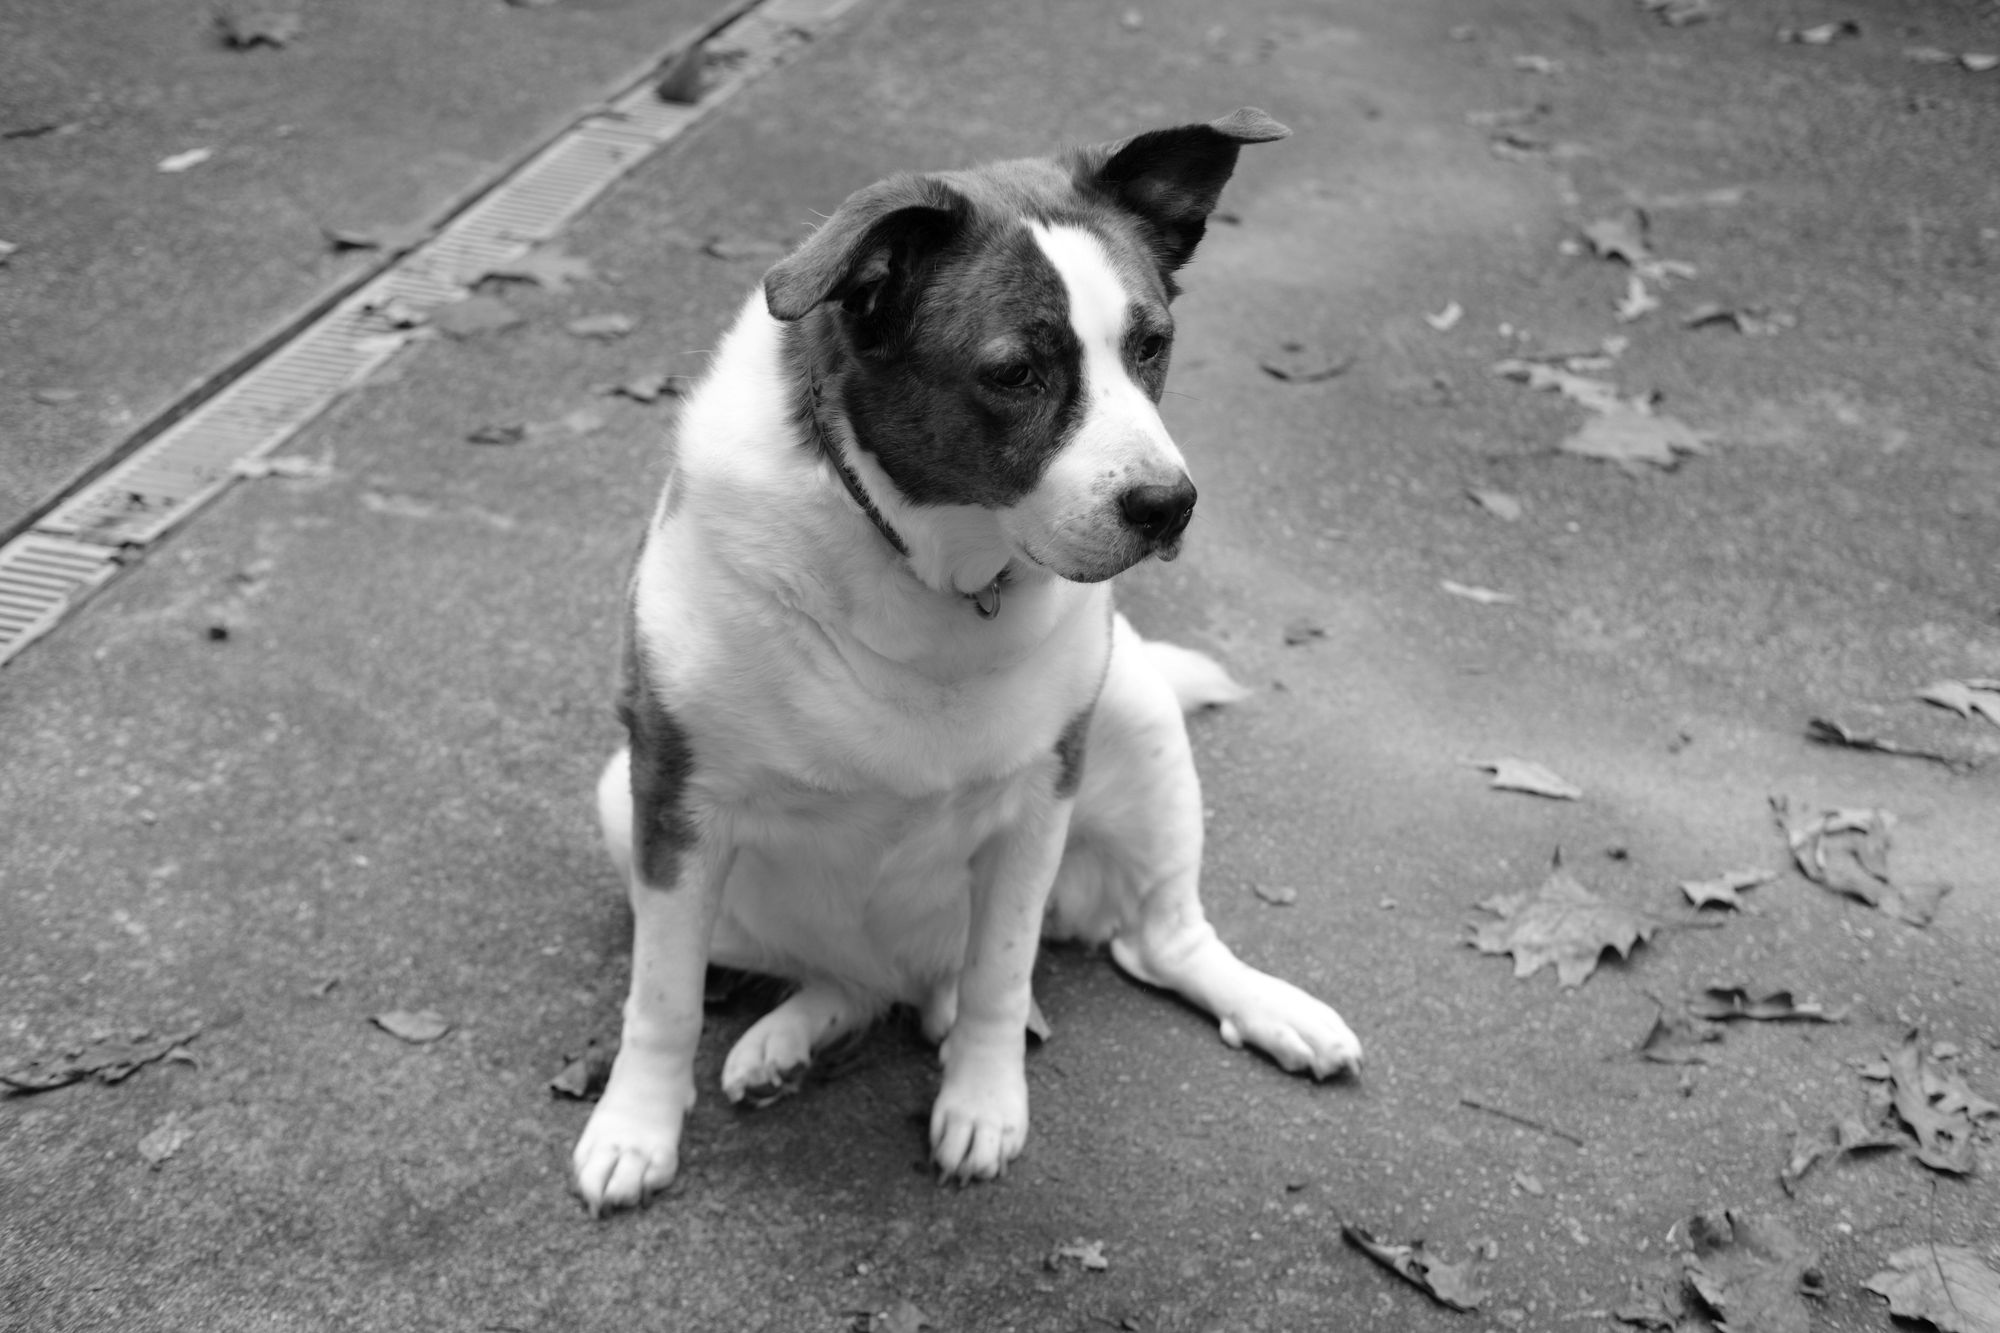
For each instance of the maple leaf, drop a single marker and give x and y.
(1936, 1106)
(1453, 1285)
(1722, 890)
(1752, 1272)
(1562, 923)
(1629, 436)
(547, 266)
(1948, 1285)
(1847, 851)
(1533, 778)
(1966, 697)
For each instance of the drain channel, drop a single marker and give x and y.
(101, 529)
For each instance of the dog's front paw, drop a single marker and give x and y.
(979, 1122)
(768, 1063)
(1300, 1033)
(631, 1147)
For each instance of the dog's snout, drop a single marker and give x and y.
(1159, 513)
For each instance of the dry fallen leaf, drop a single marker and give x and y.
(1445, 320)
(1524, 775)
(650, 388)
(1453, 1285)
(1637, 302)
(180, 162)
(1680, 13)
(1827, 731)
(510, 432)
(1675, 1039)
(473, 316)
(680, 81)
(1628, 437)
(547, 266)
(1722, 890)
(1304, 363)
(1847, 851)
(1935, 1105)
(243, 24)
(1484, 596)
(1622, 237)
(1562, 923)
(1948, 1285)
(743, 247)
(584, 1077)
(1086, 1254)
(1820, 34)
(1727, 1003)
(607, 326)
(417, 1028)
(164, 1140)
(1966, 697)
(1558, 377)
(1755, 321)
(1752, 1272)
(108, 1059)
(1278, 895)
(1303, 631)
(389, 240)
(288, 467)
(1851, 1135)
(1507, 508)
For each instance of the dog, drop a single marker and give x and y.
(885, 728)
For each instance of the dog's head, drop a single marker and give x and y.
(1000, 337)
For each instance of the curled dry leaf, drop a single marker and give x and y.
(1751, 1271)
(584, 1077)
(243, 24)
(1755, 321)
(1675, 1039)
(1949, 1286)
(1826, 731)
(1680, 13)
(180, 162)
(1562, 923)
(1453, 1285)
(1630, 436)
(1507, 508)
(474, 316)
(1820, 34)
(1483, 596)
(743, 247)
(416, 1027)
(1847, 851)
(1525, 776)
(1727, 1003)
(1445, 320)
(1085, 1254)
(1967, 698)
(1934, 1104)
(1558, 377)
(1722, 890)
(547, 266)
(1278, 895)
(606, 327)
(1304, 363)
(108, 1059)
(649, 388)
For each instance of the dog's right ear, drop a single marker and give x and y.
(877, 234)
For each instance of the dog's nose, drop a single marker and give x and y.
(1159, 513)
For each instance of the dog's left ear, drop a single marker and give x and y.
(1172, 178)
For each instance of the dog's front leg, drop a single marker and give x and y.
(979, 1122)
(631, 1147)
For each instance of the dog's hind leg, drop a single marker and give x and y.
(770, 1059)
(1140, 811)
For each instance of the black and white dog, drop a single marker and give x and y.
(885, 727)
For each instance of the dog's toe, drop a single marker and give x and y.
(620, 1160)
(1302, 1034)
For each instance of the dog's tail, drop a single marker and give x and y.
(1198, 679)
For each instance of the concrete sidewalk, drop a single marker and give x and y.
(328, 751)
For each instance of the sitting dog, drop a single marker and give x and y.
(885, 728)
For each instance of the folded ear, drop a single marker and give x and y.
(877, 234)
(1172, 178)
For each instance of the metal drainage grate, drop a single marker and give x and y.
(76, 547)
(40, 579)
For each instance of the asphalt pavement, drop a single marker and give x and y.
(326, 753)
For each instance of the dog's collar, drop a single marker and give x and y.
(986, 602)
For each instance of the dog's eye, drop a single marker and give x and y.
(1015, 375)
(1151, 346)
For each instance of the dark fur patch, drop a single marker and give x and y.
(1069, 752)
(662, 762)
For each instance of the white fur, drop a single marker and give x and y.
(1071, 522)
(873, 789)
